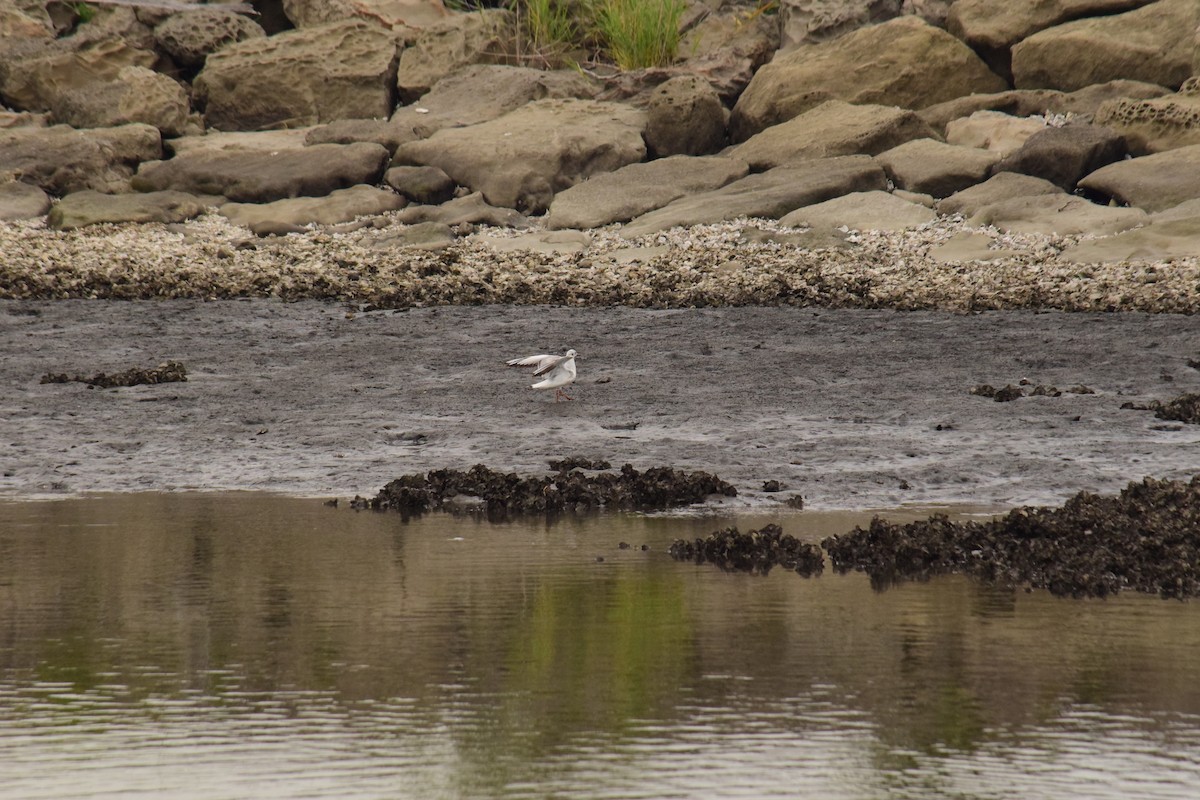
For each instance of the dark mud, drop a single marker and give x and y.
(1145, 539)
(757, 552)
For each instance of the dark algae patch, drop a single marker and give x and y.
(756, 552)
(1146, 539)
(509, 493)
(168, 372)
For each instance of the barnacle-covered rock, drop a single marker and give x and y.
(754, 551)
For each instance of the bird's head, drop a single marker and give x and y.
(571, 354)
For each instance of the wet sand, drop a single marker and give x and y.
(851, 409)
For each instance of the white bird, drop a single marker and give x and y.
(559, 372)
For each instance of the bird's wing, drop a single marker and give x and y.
(549, 363)
(529, 361)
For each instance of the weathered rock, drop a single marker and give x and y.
(803, 22)
(634, 190)
(390, 13)
(991, 28)
(34, 72)
(349, 131)
(482, 92)
(217, 141)
(1153, 182)
(251, 176)
(520, 160)
(935, 168)
(1057, 214)
(470, 210)
(770, 194)
(968, 246)
(61, 160)
(482, 37)
(26, 23)
(22, 201)
(424, 185)
(993, 130)
(1001, 186)
(834, 128)
(1064, 155)
(1157, 242)
(552, 243)
(1085, 102)
(1153, 43)
(725, 49)
(137, 95)
(685, 117)
(1014, 102)
(167, 372)
(343, 70)
(904, 62)
(342, 205)
(1158, 124)
(80, 209)
(861, 211)
(190, 36)
(430, 236)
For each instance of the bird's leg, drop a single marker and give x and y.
(559, 394)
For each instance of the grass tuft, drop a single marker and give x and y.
(639, 33)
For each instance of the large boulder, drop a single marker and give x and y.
(905, 62)
(639, 188)
(684, 116)
(1154, 182)
(724, 48)
(61, 160)
(483, 37)
(1064, 155)
(1157, 242)
(190, 36)
(1063, 215)
(770, 194)
(998, 188)
(137, 95)
(342, 70)
(834, 128)
(1153, 43)
(24, 22)
(392, 13)
(469, 210)
(35, 72)
(342, 205)
(803, 22)
(254, 176)
(1156, 124)
(862, 211)
(22, 201)
(80, 209)
(520, 160)
(993, 130)
(991, 28)
(935, 168)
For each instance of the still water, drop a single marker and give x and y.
(206, 646)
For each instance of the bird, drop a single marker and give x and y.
(559, 371)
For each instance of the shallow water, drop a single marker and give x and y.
(204, 646)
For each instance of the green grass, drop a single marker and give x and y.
(549, 24)
(639, 33)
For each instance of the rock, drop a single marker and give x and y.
(1153, 182)
(991, 28)
(22, 201)
(1157, 242)
(725, 48)
(863, 67)
(552, 243)
(636, 189)
(343, 70)
(935, 168)
(684, 117)
(34, 72)
(61, 160)
(424, 185)
(967, 246)
(803, 22)
(1064, 155)
(349, 131)
(992, 130)
(137, 95)
(770, 194)
(756, 552)
(339, 206)
(862, 211)
(1157, 124)
(389, 13)
(430, 236)
(834, 128)
(520, 160)
(1153, 43)
(80, 209)
(481, 37)
(250, 176)
(1086, 102)
(482, 92)
(1063, 215)
(1015, 103)
(218, 141)
(167, 372)
(190, 36)
(1001, 186)
(469, 210)
(26, 23)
